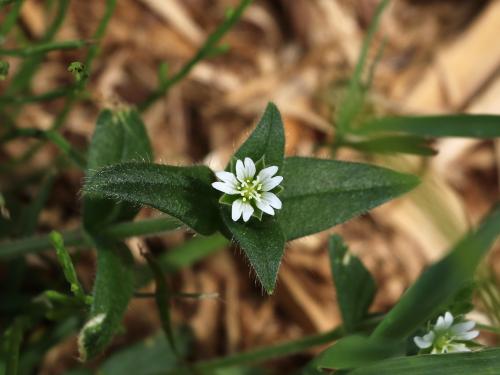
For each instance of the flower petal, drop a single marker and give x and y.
(462, 327)
(271, 183)
(272, 199)
(225, 187)
(264, 206)
(227, 177)
(267, 173)
(425, 341)
(240, 170)
(448, 319)
(247, 211)
(456, 348)
(249, 168)
(236, 209)
(466, 336)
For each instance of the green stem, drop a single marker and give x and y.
(50, 135)
(50, 95)
(77, 237)
(43, 48)
(205, 51)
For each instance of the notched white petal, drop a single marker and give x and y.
(247, 211)
(466, 336)
(271, 183)
(249, 168)
(236, 209)
(240, 170)
(267, 173)
(264, 206)
(272, 199)
(226, 177)
(462, 327)
(225, 187)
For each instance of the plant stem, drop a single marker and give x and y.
(43, 48)
(205, 51)
(49, 95)
(77, 237)
(10, 20)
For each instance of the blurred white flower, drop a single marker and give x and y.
(254, 191)
(446, 337)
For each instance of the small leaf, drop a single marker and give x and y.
(183, 192)
(474, 126)
(67, 266)
(119, 136)
(263, 243)
(485, 362)
(439, 283)
(356, 351)
(268, 139)
(354, 284)
(113, 288)
(319, 194)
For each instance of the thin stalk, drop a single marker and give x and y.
(44, 48)
(77, 237)
(49, 95)
(205, 51)
(488, 328)
(50, 135)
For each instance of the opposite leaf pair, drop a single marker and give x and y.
(317, 194)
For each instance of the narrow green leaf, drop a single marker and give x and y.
(268, 139)
(439, 283)
(353, 102)
(356, 351)
(354, 284)
(67, 265)
(263, 243)
(113, 288)
(11, 344)
(319, 194)
(485, 362)
(462, 125)
(163, 297)
(151, 356)
(182, 192)
(119, 136)
(405, 144)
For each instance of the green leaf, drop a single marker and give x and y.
(113, 288)
(67, 265)
(354, 284)
(263, 243)
(183, 192)
(412, 145)
(11, 344)
(163, 298)
(474, 126)
(150, 356)
(485, 362)
(356, 351)
(437, 286)
(268, 139)
(118, 137)
(319, 194)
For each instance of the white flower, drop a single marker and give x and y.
(446, 337)
(254, 191)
